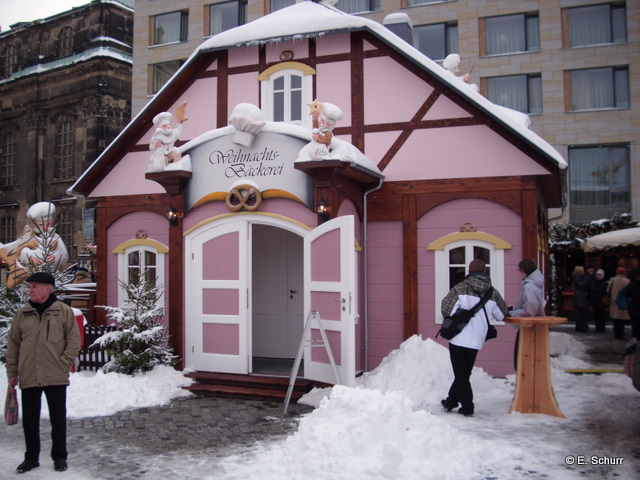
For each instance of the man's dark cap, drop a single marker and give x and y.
(42, 277)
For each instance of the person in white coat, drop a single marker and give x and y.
(463, 348)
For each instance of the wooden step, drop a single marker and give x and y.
(248, 386)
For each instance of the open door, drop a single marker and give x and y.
(217, 301)
(330, 289)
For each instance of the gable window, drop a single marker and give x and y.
(64, 151)
(512, 34)
(358, 6)
(226, 15)
(170, 27)
(280, 4)
(9, 61)
(286, 89)
(518, 92)
(599, 181)
(162, 72)
(141, 260)
(599, 88)
(7, 229)
(436, 41)
(8, 160)
(65, 42)
(453, 254)
(597, 24)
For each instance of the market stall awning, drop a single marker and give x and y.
(617, 238)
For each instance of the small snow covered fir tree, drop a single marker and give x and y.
(140, 343)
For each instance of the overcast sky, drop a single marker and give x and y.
(14, 11)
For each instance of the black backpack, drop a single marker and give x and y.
(453, 324)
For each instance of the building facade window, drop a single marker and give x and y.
(7, 229)
(597, 24)
(436, 41)
(65, 228)
(511, 34)
(64, 151)
(9, 61)
(600, 88)
(8, 160)
(599, 181)
(518, 92)
(170, 27)
(452, 261)
(285, 90)
(161, 73)
(65, 42)
(359, 6)
(411, 3)
(280, 4)
(226, 15)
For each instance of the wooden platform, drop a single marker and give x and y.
(248, 386)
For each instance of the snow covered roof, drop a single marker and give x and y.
(308, 19)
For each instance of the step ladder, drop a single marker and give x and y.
(307, 341)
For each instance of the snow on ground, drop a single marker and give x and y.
(391, 426)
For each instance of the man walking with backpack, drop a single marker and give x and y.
(463, 348)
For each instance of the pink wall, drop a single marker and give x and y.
(125, 229)
(489, 217)
(386, 308)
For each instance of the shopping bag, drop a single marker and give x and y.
(11, 406)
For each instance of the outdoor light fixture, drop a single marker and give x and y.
(322, 211)
(173, 216)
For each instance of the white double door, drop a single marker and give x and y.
(251, 282)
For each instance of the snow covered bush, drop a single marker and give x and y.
(140, 343)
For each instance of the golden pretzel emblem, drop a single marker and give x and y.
(245, 197)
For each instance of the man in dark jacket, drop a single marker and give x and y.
(463, 348)
(633, 293)
(43, 343)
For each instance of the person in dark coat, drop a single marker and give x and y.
(633, 293)
(596, 297)
(579, 281)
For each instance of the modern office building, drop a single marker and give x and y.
(65, 94)
(571, 65)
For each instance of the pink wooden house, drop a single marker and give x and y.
(266, 232)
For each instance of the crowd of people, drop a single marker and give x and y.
(594, 296)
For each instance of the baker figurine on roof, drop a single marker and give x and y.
(164, 138)
(324, 117)
(452, 65)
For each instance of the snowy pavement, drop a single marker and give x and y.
(390, 427)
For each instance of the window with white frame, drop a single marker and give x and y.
(141, 261)
(452, 261)
(285, 90)
(600, 88)
(599, 181)
(512, 34)
(170, 27)
(518, 92)
(226, 15)
(436, 41)
(597, 24)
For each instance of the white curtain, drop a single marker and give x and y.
(589, 25)
(506, 34)
(592, 89)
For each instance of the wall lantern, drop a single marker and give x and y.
(322, 210)
(173, 216)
